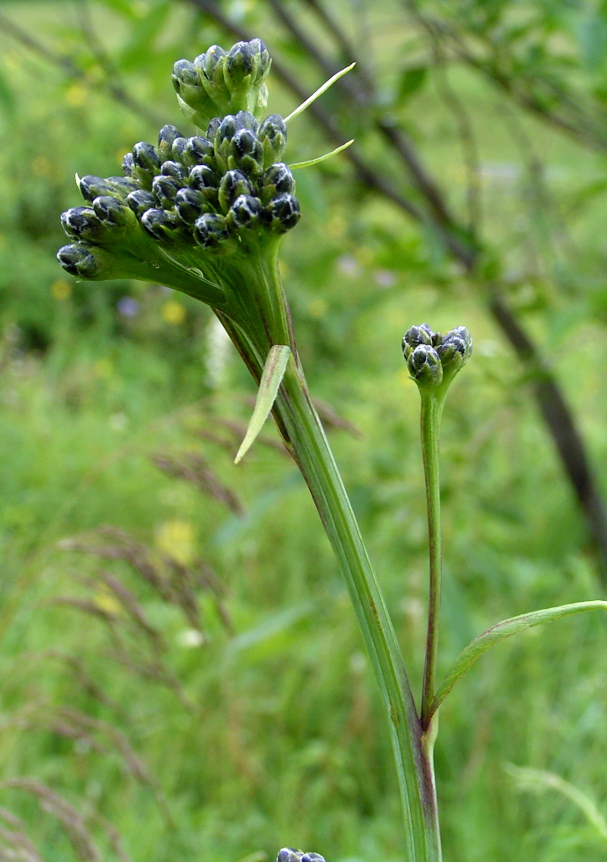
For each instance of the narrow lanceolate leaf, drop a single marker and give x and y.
(320, 159)
(273, 372)
(500, 632)
(318, 93)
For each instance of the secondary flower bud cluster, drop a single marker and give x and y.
(432, 357)
(218, 191)
(222, 82)
(288, 854)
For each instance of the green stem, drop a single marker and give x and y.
(431, 410)
(315, 460)
(301, 427)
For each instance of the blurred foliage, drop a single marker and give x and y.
(226, 708)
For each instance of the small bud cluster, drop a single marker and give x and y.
(432, 357)
(215, 191)
(222, 82)
(288, 854)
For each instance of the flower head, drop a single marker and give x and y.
(190, 201)
(433, 360)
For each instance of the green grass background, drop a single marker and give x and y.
(273, 735)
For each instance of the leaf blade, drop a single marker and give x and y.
(271, 378)
(498, 633)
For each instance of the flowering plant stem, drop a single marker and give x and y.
(431, 412)
(303, 434)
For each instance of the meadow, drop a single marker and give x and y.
(181, 673)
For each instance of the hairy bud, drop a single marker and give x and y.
(273, 136)
(197, 149)
(111, 211)
(233, 184)
(81, 223)
(160, 224)
(167, 135)
(283, 213)
(174, 169)
(277, 180)
(140, 201)
(78, 261)
(165, 190)
(245, 152)
(210, 230)
(425, 366)
(91, 187)
(245, 212)
(432, 359)
(288, 854)
(418, 335)
(127, 165)
(190, 205)
(146, 163)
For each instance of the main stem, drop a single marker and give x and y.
(431, 411)
(302, 430)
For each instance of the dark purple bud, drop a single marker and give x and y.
(146, 157)
(211, 63)
(178, 149)
(245, 152)
(81, 223)
(190, 205)
(91, 187)
(283, 213)
(165, 190)
(233, 184)
(160, 224)
(140, 201)
(202, 177)
(127, 165)
(418, 335)
(277, 180)
(196, 150)
(166, 137)
(174, 169)
(111, 211)
(244, 212)
(185, 74)
(273, 136)
(210, 230)
(78, 261)
(425, 366)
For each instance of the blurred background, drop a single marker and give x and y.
(181, 676)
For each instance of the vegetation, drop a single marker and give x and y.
(179, 660)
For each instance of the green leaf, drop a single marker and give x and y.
(410, 82)
(318, 93)
(273, 372)
(500, 632)
(320, 159)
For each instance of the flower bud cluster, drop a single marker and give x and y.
(288, 854)
(222, 82)
(219, 192)
(432, 357)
